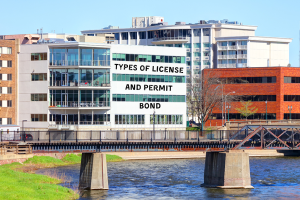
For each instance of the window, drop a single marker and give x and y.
(38, 117)
(9, 50)
(178, 45)
(117, 36)
(9, 90)
(148, 58)
(206, 45)
(197, 54)
(291, 79)
(196, 45)
(130, 119)
(38, 97)
(1, 121)
(0, 63)
(9, 63)
(148, 98)
(150, 34)
(0, 103)
(9, 103)
(148, 78)
(241, 80)
(9, 77)
(0, 76)
(9, 120)
(124, 36)
(142, 35)
(38, 56)
(133, 35)
(166, 119)
(39, 77)
(187, 45)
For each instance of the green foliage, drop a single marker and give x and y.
(19, 185)
(193, 129)
(72, 158)
(43, 160)
(246, 110)
(113, 158)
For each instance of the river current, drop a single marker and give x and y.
(272, 178)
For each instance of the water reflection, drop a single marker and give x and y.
(181, 179)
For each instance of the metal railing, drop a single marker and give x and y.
(242, 55)
(222, 47)
(118, 135)
(77, 104)
(232, 56)
(170, 38)
(79, 63)
(242, 46)
(222, 56)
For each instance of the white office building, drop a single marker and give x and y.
(90, 86)
(205, 42)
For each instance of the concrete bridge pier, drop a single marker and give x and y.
(93, 171)
(227, 170)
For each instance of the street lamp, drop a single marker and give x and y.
(266, 110)
(233, 92)
(228, 108)
(290, 109)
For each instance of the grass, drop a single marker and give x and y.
(15, 183)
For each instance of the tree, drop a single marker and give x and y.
(246, 110)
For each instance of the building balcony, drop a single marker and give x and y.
(222, 56)
(205, 57)
(170, 40)
(81, 84)
(205, 66)
(188, 58)
(206, 48)
(79, 105)
(242, 65)
(242, 47)
(222, 65)
(222, 47)
(99, 63)
(231, 47)
(242, 56)
(232, 56)
(71, 125)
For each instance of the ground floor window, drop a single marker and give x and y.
(166, 119)
(256, 116)
(83, 119)
(129, 119)
(38, 117)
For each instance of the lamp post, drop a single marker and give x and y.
(266, 110)
(233, 92)
(228, 108)
(290, 109)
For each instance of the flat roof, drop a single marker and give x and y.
(163, 27)
(254, 38)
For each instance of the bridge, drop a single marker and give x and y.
(281, 137)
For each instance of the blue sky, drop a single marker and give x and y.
(274, 18)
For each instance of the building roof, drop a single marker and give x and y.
(254, 38)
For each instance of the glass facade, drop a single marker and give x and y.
(166, 119)
(81, 56)
(148, 58)
(149, 78)
(129, 119)
(148, 98)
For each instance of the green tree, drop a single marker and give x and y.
(247, 109)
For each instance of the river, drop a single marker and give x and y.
(272, 178)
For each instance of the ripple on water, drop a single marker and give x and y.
(181, 179)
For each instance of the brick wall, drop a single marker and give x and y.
(10, 112)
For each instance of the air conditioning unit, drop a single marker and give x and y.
(197, 58)
(197, 67)
(197, 50)
(188, 50)
(188, 58)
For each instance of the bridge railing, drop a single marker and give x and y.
(119, 135)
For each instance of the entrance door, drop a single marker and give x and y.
(64, 79)
(64, 119)
(64, 99)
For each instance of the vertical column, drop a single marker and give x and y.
(211, 47)
(128, 38)
(93, 171)
(192, 55)
(120, 38)
(201, 48)
(137, 38)
(248, 54)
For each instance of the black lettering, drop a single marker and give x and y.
(125, 66)
(158, 105)
(146, 105)
(162, 87)
(170, 86)
(132, 87)
(155, 87)
(176, 69)
(171, 69)
(135, 67)
(127, 87)
(150, 87)
(121, 65)
(138, 87)
(166, 69)
(152, 105)
(181, 70)
(153, 69)
(141, 105)
(147, 67)
(145, 87)
(161, 69)
(130, 67)
(142, 68)
(116, 66)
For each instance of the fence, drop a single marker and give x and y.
(15, 149)
(139, 135)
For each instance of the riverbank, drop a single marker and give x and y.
(19, 181)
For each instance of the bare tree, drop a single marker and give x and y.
(205, 94)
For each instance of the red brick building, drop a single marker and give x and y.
(271, 89)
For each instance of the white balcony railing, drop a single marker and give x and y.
(242, 55)
(222, 65)
(205, 57)
(231, 56)
(242, 65)
(231, 65)
(222, 47)
(232, 47)
(222, 56)
(242, 46)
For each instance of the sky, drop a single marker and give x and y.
(274, 18)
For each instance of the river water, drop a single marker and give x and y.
(272, 178)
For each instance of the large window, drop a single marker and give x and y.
(291, 79)
(124, 36)
(38, 97)
(9, 103)
(38, 56)
(133, 35)
(130, 119)
(256, 116)
(101, 118)
(256, 98)
(9, 63)
(291, 97)
(148, 98)
(148, 58)
(292, 116)
(166, 119)
(240, 80)
(149, 78)
(38, 117)
(9, 77)
(39, 77)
